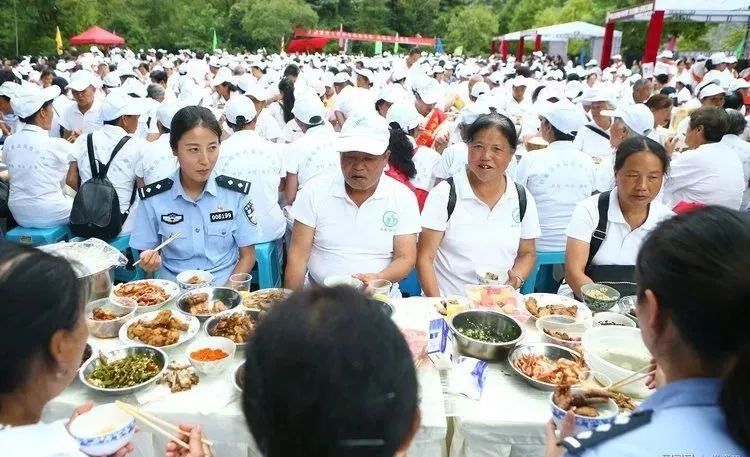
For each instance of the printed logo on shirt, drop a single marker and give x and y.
(517, 215)
(390, 219)
(221, 216)
(172, 218)
(249, 212)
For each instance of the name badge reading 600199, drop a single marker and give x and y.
(221, 216)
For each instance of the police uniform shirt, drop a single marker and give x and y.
(476, 234)
(212, 227)
(157, 161)
(248, 156)
(559, 176)
(37, 165)
(352, 239)
(681, 418)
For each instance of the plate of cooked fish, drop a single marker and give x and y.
(541, 305)
(162, 329)
(149, 294)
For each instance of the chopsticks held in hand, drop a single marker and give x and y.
(166, 242)
(152, 422)
(643, 373)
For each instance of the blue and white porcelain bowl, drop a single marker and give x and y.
(103, 430)
(607, 414)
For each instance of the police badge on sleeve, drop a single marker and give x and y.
(249, 210)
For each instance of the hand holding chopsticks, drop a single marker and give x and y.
(157, 248)
(159, 426)
(641, 374)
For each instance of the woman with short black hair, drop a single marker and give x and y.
(478, 217)
(359, 399)
(693, 288)
(43, 335)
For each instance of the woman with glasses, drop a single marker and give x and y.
(37, 164)
(478, 216)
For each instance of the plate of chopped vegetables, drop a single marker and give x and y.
(123, 371)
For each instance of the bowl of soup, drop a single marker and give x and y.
(617, 352)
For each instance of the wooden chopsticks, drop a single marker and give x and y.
(152, 422)
(643, 373)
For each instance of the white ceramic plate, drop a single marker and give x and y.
(171, 288)
(194, 327)
(552, 299)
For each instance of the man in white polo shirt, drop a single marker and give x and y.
(358, 222)
(558, 176)
(84, 115)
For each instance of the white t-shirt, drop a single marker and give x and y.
(37, 165)
(246, 155)
(592, 143)
(353, 100)
(267, 126)
(350, 239)
(425, 159)
(121, 171)
(455, 158)
(71, 118)
(476, 235)
(559, 176)
(157, 161)
(742, 148)
(621, 245)
(312, 154)
(39, 440)
(711, 174)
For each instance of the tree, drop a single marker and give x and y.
(266, 22)
(370, 16)
(472, 28)
(412, 17)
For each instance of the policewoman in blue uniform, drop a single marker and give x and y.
(213, 214)
(693, 289)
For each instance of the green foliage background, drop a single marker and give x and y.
(253, 24)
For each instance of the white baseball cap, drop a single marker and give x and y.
(428, 90)
(472, 112)
(341, 78)
(222, 76)
(592, 63)
(112, 80)
(637, 117)
(28, 99)
(365, 73)
(479, 88)
(252, 88)
(739, 83)
(617, 57)
(166, 111)
(519, 81)
(709, 89)
(133, 86)
(565, 117)
(398, 73)
(666, 54)
(405, 115)
(718, 58)
(731, 59)
(8, 88)
(496, 78)
(391, 93)
(240, 109)
(309, 109)
(364, 132)
(82, 79)
(118, 103)
(593, 95)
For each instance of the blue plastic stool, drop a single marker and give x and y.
(410, 285)
(122, 274)
(38, 236)
(544, 277)
(268, 264)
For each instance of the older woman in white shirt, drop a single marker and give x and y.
(478, 216)
(43, 335)
(37, 164)
(631, 213)
(732, 140)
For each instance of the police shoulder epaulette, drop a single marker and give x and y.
(234, 184)
(576, 445)
(155, 188)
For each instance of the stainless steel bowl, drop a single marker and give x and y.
(238, 376)
(230, 297)
(111, 328)
(552, 351)
(480, 349)
(118, 354)
(254, 314)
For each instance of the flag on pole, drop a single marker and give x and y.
(378, 47)
(739, 53)
(58, 41)
(395, 45)
(214, 42)
(459, 51)
(439, 48)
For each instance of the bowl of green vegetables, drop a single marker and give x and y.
(123, 371)
(486, 334)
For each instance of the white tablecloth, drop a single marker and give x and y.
(214, 404)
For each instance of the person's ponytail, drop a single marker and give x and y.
(402, 151)
(735, 398)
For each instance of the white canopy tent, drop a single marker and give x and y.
(557, 37)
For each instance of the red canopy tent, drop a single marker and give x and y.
(97, 35)
(307, 45)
